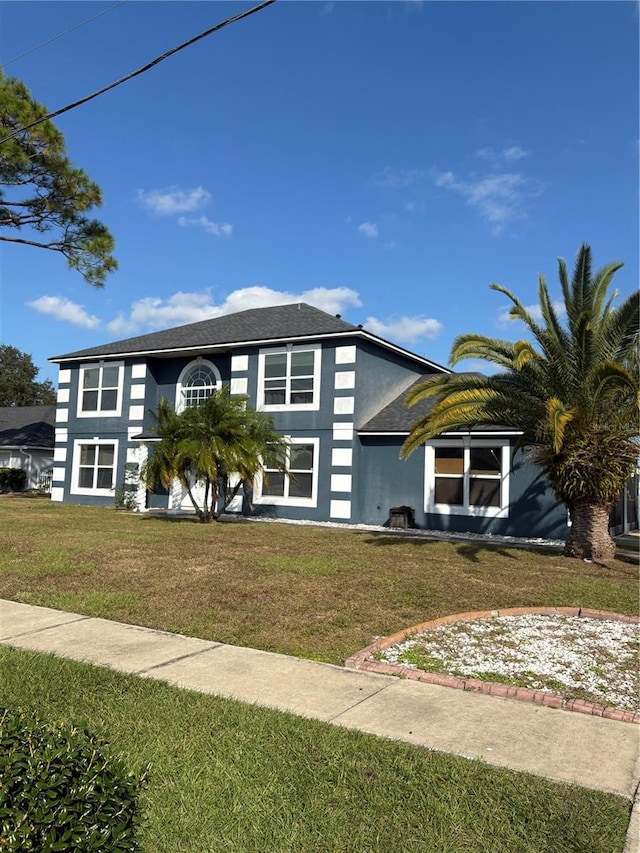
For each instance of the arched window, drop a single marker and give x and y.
(196, 383)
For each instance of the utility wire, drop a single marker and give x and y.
(59, 35)
(139, 70)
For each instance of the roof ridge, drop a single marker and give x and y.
(262, 323)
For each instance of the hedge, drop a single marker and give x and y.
(63, 790)
(12, 479)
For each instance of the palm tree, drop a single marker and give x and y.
(572, 393)
(220, 445)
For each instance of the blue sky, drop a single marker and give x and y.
(384, 161)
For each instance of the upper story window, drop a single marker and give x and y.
(468, 477)
(100, 391)
(289, 378)
(196, 383)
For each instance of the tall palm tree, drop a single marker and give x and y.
(572, 392)
(221, 445)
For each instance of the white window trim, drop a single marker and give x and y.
(276, 500)
(471, 511)
(74, 489)
(200, 362)
(290, 407)
(101, 413)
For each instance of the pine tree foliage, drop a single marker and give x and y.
(44, 199)
(18, 386)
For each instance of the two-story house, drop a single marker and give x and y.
(334, 389)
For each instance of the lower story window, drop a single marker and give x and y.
(94, 467)
(298, 487)
(468, 478)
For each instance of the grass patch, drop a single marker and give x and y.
(41, 562)
(579, 590)
(315, 592)
(227, 776)
(104, 605)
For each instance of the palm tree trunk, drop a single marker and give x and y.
(194, 502)
(589, 537)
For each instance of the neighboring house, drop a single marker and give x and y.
(334, 389)
(26, 441)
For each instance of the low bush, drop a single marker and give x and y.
(12, 479)
(61, 789)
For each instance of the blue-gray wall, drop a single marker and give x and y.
(380, 480)
(390, 482)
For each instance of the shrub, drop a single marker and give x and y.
(62, 790)
(12, 479)
(126, 493)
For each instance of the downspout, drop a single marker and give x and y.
(27, 453)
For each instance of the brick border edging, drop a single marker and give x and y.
(363, 660)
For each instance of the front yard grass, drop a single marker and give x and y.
(315, 592)
(227, 776)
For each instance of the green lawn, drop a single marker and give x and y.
(230, 777)
(315, 592)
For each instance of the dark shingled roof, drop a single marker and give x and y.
(396, 417)
(27, 426)
(256, 324)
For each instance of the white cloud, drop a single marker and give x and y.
(504, 318)
(222, 229)
(369, 229)
(404, 329)
(172, 200)
(153, 313)
(396, 178)
(514, 152)
(498, 197)
(65, 310)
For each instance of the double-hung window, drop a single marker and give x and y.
(297, 487)
(467, 477)
(100, 391)
(289, 378)
(94, 467)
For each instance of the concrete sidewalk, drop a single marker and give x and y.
(567, 747)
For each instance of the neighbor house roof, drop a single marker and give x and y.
(27, 426)
(280, 323)
(396, 418)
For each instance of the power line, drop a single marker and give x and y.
(139, 70)
(59, 35)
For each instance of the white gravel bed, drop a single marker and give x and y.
(413, 531)
(575, 657)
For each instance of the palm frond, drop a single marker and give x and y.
(554, 339)
(522, 355)
(518, 311)
(619, 331)
(439, 384)
(493, 350)
(600, 287)
(581, 280)
(558, 417)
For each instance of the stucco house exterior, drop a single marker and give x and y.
(27, 440)
(334, 389)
